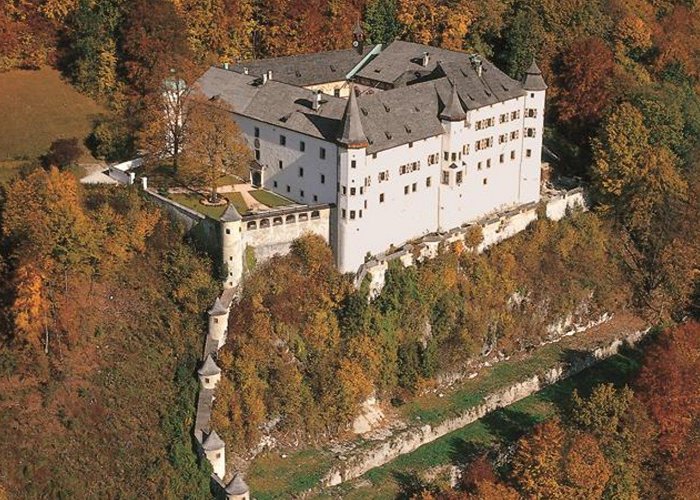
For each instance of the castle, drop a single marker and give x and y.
(379, 146)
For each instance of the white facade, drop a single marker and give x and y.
(486, 163)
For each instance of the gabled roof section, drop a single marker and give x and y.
(237, 486)
(351, 133)
(532, 80)
(453, 110)
(213, 442)
(209, 368)
(306, 69)
(218, 309)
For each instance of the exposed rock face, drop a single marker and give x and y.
(411, 438)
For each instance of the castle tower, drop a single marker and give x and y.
(231, 246)
(452, 118)
(218, 322)
(533, 130)
(214, 450)
(358, 37)
(352, 171)
(237, 489)
(209, 373)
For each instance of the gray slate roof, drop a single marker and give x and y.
(351, 133)
(213, 442)
(389, 118)
(237, 486)
(306, 69)
(230, 214)
(218, 309)
(453, 110)
(209, 368)
(532, 80)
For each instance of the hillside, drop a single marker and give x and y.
(100, 332)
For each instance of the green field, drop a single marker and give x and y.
(285, 477)
(270, 199)
(502, 426)
(39, 107)
(192, 201)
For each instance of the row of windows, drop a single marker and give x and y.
(409, 167)
(283, 142)
(353, 190)
(302, 193)
(278, 221)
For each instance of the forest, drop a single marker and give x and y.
(95, 281)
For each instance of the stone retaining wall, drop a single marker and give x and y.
(410, 439)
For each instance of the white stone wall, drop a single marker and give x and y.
(557, 206)
(318, 182)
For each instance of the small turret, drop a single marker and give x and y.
(209, 373)
(237, 489)
(218, 321)
(453, 110)
(214, 450)
(351, 133)
(358, 37)
(532, 80)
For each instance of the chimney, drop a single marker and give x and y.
(476, 64)
(316, 101)
(245, 70)
(426, 59)
(269, 74)
(225, 65)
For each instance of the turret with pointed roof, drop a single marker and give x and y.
(213, 442)
(209, 367)
(453, 110)
(237, 487)
(218, 309)
(351, 133)
(532, 80)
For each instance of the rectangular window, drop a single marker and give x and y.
(531, 113)
(410, 144)
(486, 181)
(256, 132)
(280, 164)
(352, 214)
(301, 192)
(478, 166)
(362, 190)
(454, 156)
(352, 191)
(336, 92)
(289, 189)
(353, 164)
(528, 153)
(323, 179)
(512, 154)
(360, 214)
(322, 153)
(529, 132)
(345, 190)
(283, 140)
(257, 154)
(344, 213)
(274, 183)
(459, 177)
(405, 189)
(488, 163)
(315, 198)
(445, 177)
(381, 197)
(301, 171)
(501, 158)
(302, 146)
(427, 182)
(447, 156)
(414, 187)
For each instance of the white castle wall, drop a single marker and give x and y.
(315, 189)
(495, 229)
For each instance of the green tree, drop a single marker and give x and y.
(380, 21)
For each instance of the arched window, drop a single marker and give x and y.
(290, 219)
(303, 217)
(315, 214)
(252, 225)
(277, 221)
(264, 223)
